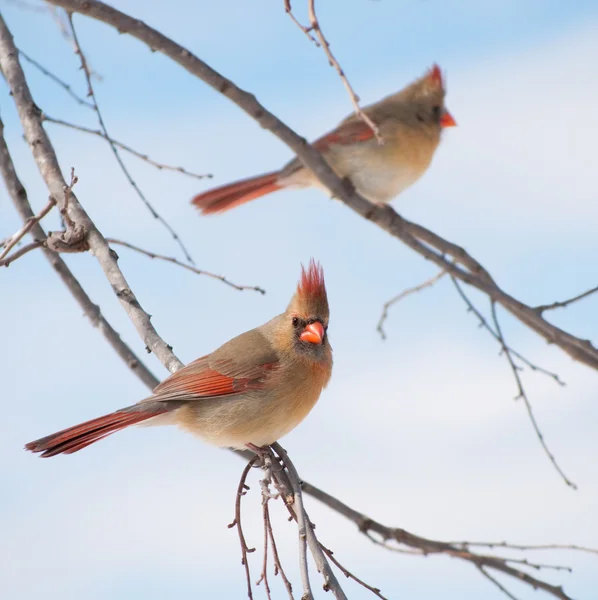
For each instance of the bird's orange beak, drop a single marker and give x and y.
(447, 120)
(313, 333)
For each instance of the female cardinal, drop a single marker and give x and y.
(410, 123)
(249, 392)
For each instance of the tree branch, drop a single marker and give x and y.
(92, 311)
(412, 290)
(426, 243)
(195, 270)
(65, 86)
(509, 353)
(119, 160)
(427, 546)
(47, 163)
(29, 223)
(140, 155)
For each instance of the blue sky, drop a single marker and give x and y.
(419, 431)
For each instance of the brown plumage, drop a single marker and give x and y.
(252, 390)
(410, 123)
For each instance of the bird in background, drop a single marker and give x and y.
(249, 392)
(410, 123)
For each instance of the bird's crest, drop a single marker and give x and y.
(434, 76)
(310, 299)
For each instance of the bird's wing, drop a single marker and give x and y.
(241, 364)
(350, 131)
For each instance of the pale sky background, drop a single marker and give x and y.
(420, 431)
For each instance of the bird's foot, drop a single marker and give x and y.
(264, 453)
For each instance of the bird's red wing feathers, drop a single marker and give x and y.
(349, 132)
(199, 380)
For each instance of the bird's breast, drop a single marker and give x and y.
(259, 416)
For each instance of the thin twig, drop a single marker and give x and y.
(544, 307)
(114, 149)
(302, 521)
(349, 575)
(29, 223)
(184, 266)
(57, 80)
(418, 288)
(306, 30)
(245, 549)
(266, 497)
(501, 587)
(315, 26)
(538, 566)
(20, 252)
(277, 564)
(509, 353)
(267, 532)
(484, 323)
(522, 547)
(387, 546)
(523, 395)
(122, 146)
(307, 532)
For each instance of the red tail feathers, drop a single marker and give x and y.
(75, 438)
(237, 193)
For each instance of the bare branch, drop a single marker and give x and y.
(509, 353)
(267, 533)
(523, 395)
(141, 155)
(349, 575)
(277, 564)
(427, 546)
(57, 80)
(564, 303)
(184, 266)
(91, 94)
(429, 245)
(92, 311)
(306, 30)
(315, 26)
(488, 328)
(47, 163)
(412, 290)
(306, 529)
(21, 252)
(302, 526)
(29, 223)
(245, 549)
(495, 582)
(523, 547)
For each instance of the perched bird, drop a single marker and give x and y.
(410, 123)
(249, 392)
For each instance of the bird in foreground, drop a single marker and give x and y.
(410, 123)
(249, 392)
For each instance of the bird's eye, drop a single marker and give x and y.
(436, 110)
(295, 322)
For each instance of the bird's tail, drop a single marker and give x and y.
(236, 193)
(75, 438)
